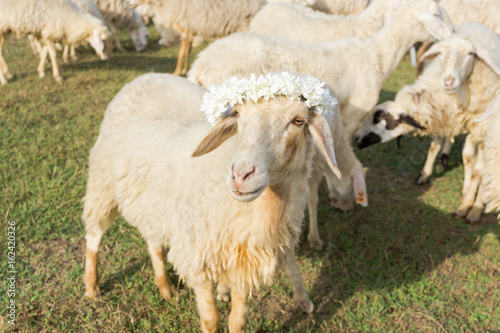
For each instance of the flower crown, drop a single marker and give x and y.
(233, 91)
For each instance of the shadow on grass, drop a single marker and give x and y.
(392, 243)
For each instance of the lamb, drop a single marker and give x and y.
(293, 21)
(141, 166)
(424, 106)
(207, 19)
(50, 21)
(87, 6)
(118, 14)
(491, 177)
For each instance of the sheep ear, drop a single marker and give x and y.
(411, 121)
(431, 53)
(359, 184)
(222, 131)
(322, 137)
(492, 108)
(486, 56)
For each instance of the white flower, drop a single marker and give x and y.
(236, 91)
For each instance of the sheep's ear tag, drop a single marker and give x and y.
(361, 197)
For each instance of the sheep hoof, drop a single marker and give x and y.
(459, 213)
(92, 293)
(8, 76)
(223, 297)
(74, 58)
(41, 75)
(58, 79)
(315, 243)
(165, 293)
(474, 215)
(3, 82)
(421, 180)
(306, 305)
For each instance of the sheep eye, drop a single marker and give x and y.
(298, 122)
(235, 114)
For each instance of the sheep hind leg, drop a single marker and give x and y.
(53, 60)
(99, 212)
(445, 153)
(160, 275)
(476, 211)
(433, 152)
(299, 291)
(65, 53)
(43, 58)
(467, 156)
(186, 56)
(4, 70)
(72, 53)
(314, 239)
(237, 317)
(205, 298)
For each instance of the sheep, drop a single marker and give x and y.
(481, 36)
(482, 11)
(356, 68)
(207, 19)
(491, 177)
(293, 21)
(87, 6)
(444, 102)
(48, 20)
(118, 14)
(142, 167)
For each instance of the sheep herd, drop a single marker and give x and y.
(219, 166)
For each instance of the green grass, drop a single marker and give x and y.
(403, 264)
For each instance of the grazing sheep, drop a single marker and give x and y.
(142, 167)
(469, 87)
(204, 18)
(87, 6)
(293, 21)
(482, 11)
(118, 14)
(491, 171)
(50, 21)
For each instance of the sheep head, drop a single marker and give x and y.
(457, 55)
(138, 32)
(274, 137)
(387, 121)
(100, 36)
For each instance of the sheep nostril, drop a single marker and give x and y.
(249, 174)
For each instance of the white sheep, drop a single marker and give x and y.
(87, 6)
(118, 14)
(293, 21)
(483, 38)
(470, 86)
(50, 21)
(491, 172)
(142, 167)
(482, 11)
(204, 18)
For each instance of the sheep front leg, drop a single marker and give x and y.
(65, 53)
(237, 318)
(186, 56)
(209, 315)
(72, 53)
(299, 291)
(160, 275)
(433, 152)
(467, 155)
(53, 60)
(314, 239)
(475, 180)
(4, 70)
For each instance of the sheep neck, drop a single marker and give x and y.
(392, 42)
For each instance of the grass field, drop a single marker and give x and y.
(403, 264)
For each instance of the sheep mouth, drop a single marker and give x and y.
(248, 196)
